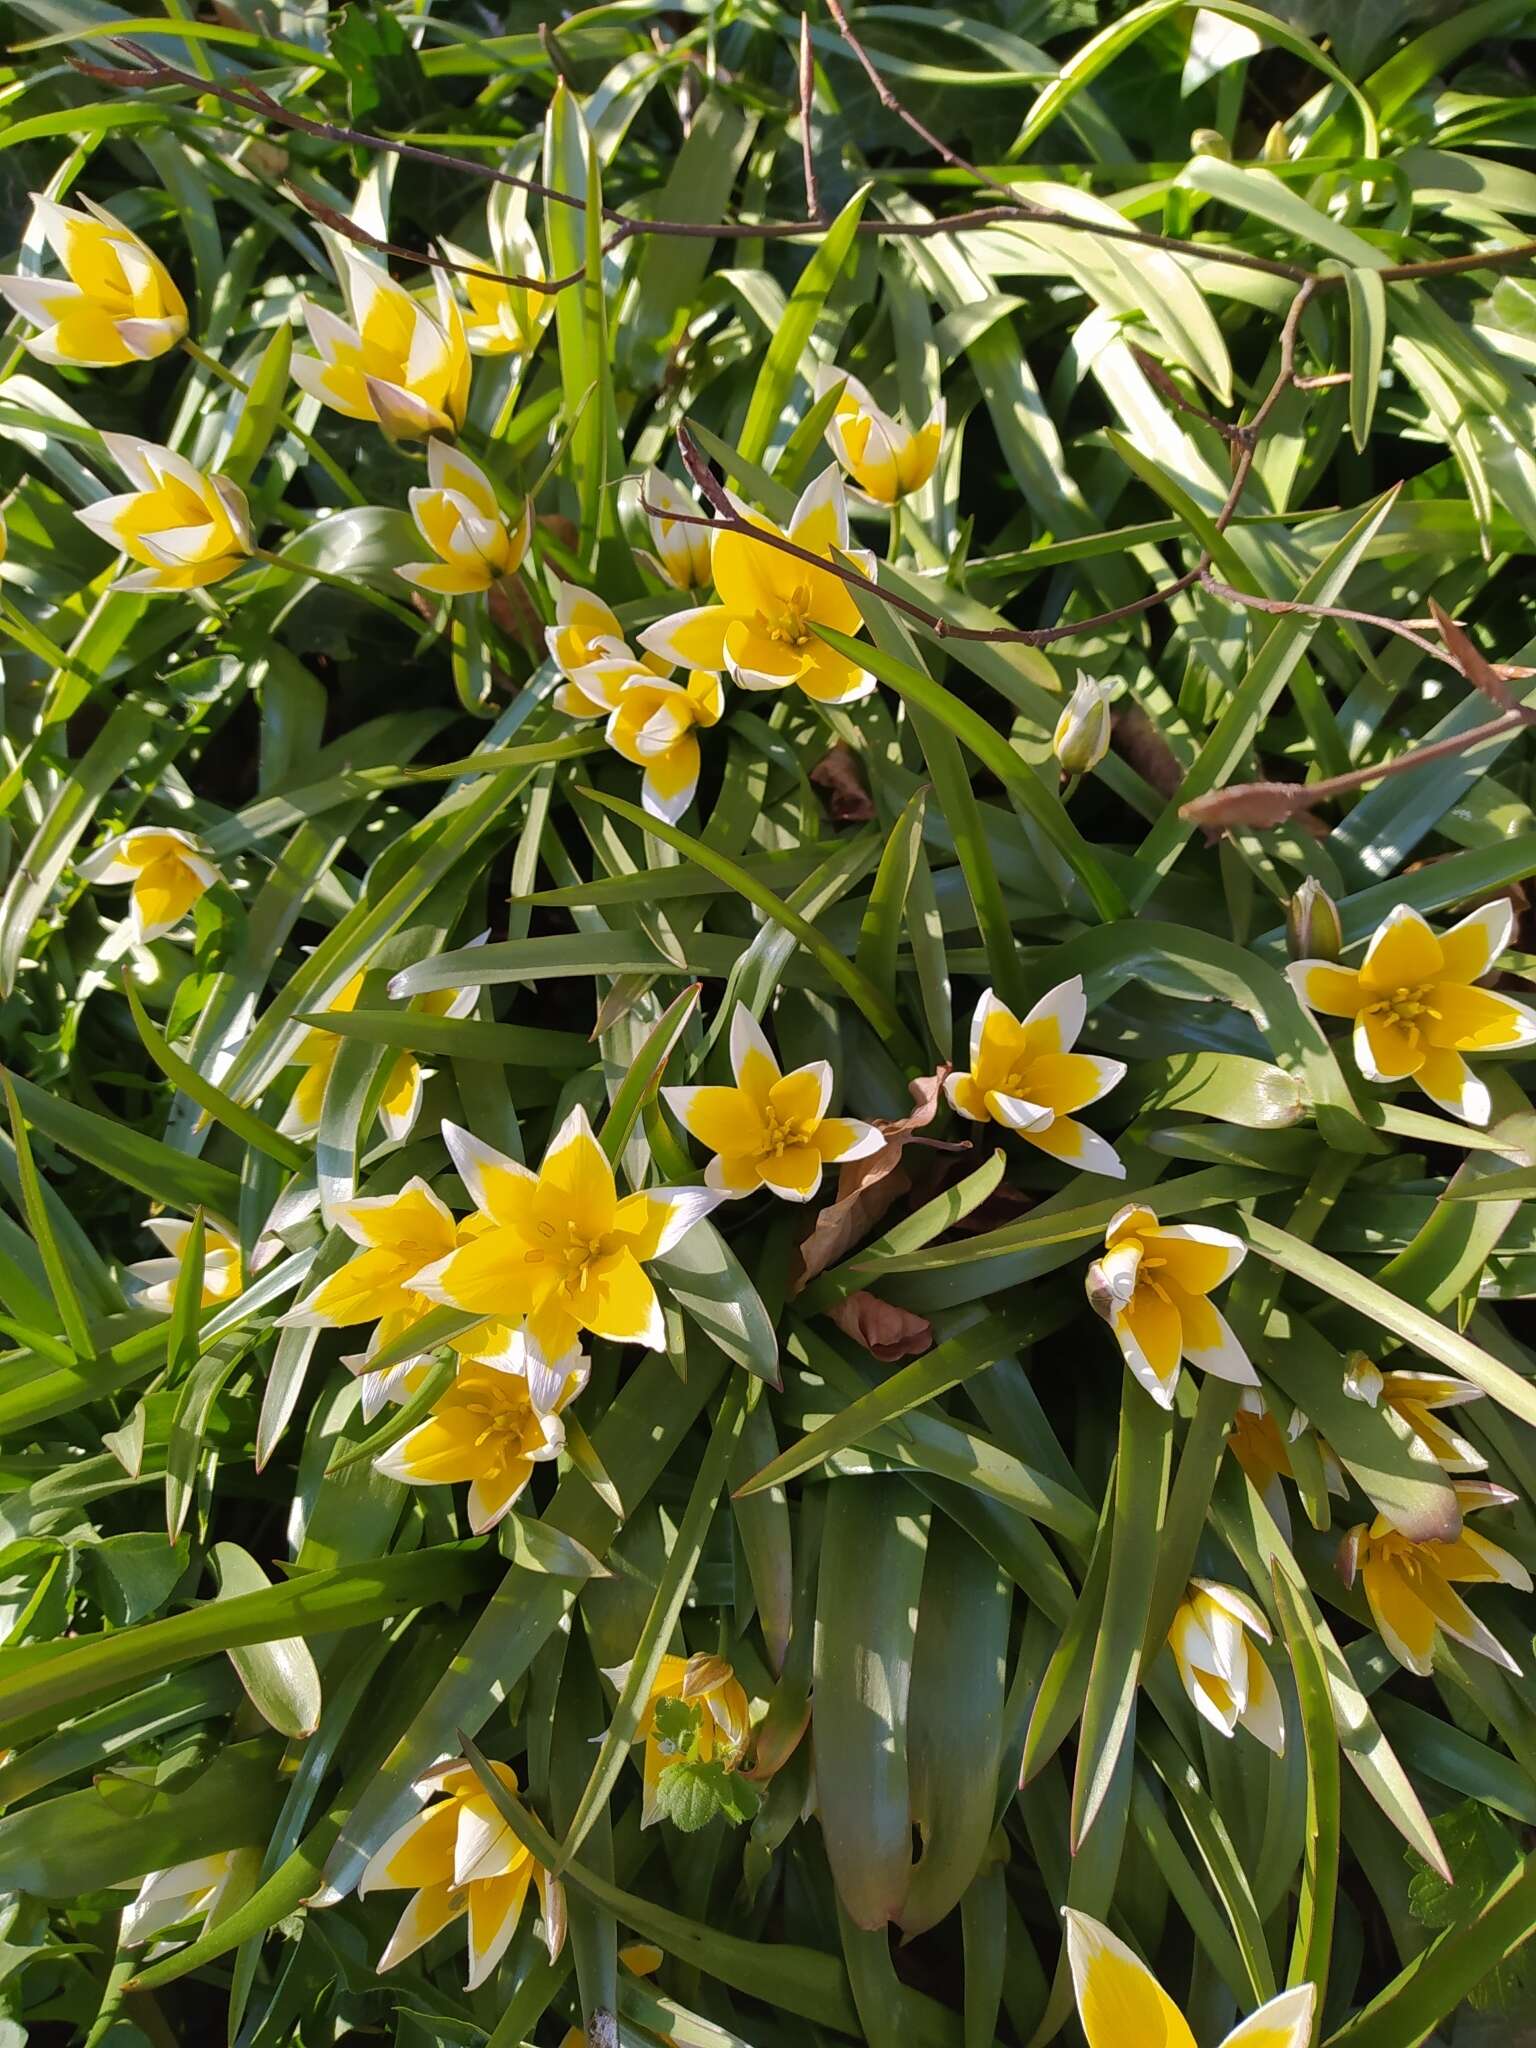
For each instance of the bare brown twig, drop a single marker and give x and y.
(813, 203)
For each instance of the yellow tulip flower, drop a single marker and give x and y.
(400, 1235)
(166, 870)
(763, 627)
(1151, 1287)
(772, 1129)
(561, 1248)
(459, 1856)
(1417, 1398)
(317, 1052)
(587, 645)
(681, 555)
(207, 1888)
(1222, 1671)
(724, 1720)
(656, 725)
(461, 522)
(484, 1428)
(1416, 1008)
(392, 360)
(159, 1279)
(116, 302)
(885, 458)
(1026, 1076)
(1122, 2005)
(504, 319)
(188, 530)
(1410, 1587)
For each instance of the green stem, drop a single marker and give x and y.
(310, 445)
(352, 586)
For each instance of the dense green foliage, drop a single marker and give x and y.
(1235, 335)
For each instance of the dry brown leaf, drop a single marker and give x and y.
(887, 1332)
(841, 781)
(867, 1188)
(1470, 659)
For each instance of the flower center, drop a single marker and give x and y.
(787, 626)
(781, 1133)
(496, 1427)
(569, 1250)
(1412, 1010)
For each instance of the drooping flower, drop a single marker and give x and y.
(317, 1053)
(682, 550)
(1081, 738)
(159, 1279)
(187, 530)
(886, 458)
(1025, 1076)
(1410, 1587)
(458, 1855)
(1416, 1006)
(392, 359)
(702, 1681)
(166, 870)
(116, 302)
(561, 1248)
(656, 725)
(770, 603)
(197, 1890)
(772, 1129)
(483, 1428)
(1221, 1669)
(1122, 2005)
(1417, 1398)
(1152, 1286)
(504, 319)
(461, 522)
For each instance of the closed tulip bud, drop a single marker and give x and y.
(1312, 927)
(116, 302)
(1081, 739)
(1210, 142)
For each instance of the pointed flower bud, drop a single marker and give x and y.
(1081, 739)
(1312, 927)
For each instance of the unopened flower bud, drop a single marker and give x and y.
(1277, 145)
(1210, 142)
(1312, 927)
(1081, 739)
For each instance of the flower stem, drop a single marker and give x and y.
(307, 442)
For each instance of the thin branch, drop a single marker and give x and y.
(1272, 803)
(339, 224)
(893, 105)
(1283, 606)
(813, 203)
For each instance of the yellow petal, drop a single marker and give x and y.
(725, 1119)
(619, 1302)
(1286, 2022)
(1196, 1256)
(1406, 1624)
(1384, 1049)
(576, 1184)
(1477, 1020)
(1404, 953)
(1119, 2001)
(1150, 1327)
(1335, 991)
